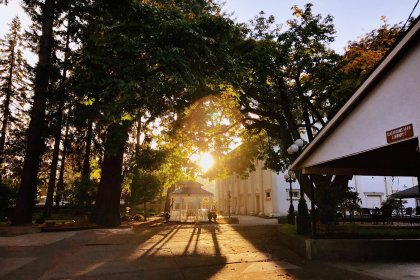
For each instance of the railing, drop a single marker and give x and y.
(190, 215)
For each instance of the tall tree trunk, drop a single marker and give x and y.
(57, 134)
(86, 160)
(83, 199)
(54, 163)
(305, 112)
(34, 147)
(6, 114)
(287, 110)
(107, 205)
(138, 134)
(60, 184)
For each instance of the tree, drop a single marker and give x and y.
(14, 80)
(146, 57)
(212, 125)
(285, 88)
(144, 187)
(27, 190)
(360, 59)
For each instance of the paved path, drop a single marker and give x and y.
(162, 251)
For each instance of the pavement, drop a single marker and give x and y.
(249, 250)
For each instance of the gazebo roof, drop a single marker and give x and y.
(189, 188)
(189, 183)
(412, 192)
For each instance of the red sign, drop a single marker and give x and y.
(400, 133)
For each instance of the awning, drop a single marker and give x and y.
(412, 192)
(377, 131)
(399, 159)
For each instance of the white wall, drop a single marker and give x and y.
(394, 102)
(383, 186)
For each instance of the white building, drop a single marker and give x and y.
(377, 131)
(263, 193)
(373, 190)
(266, 193)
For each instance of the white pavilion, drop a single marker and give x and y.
(190, 202)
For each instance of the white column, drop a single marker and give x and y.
(186, 209)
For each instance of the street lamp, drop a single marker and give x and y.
(290, 177)
(303, 226)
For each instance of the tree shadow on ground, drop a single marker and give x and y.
(267, 240)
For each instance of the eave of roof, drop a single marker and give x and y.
(362, 91)
(412, 192)
(191, 191)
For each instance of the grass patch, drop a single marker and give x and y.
(227, 220)
(289, 229)
(357, 231)
(59, 216)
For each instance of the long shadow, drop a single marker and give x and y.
(127, 254)
(265, 239)
(190, 240)
(196, 240)
(164, 239)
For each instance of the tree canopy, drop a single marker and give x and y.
(131, 94)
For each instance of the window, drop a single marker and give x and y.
(295, 194)
(268, 195)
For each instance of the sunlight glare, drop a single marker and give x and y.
(206, 161)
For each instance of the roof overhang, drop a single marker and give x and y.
(398, 159)
(413, 192)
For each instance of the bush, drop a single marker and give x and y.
(8, 196)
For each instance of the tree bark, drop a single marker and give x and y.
(60, 183)
(57, 134)
(83, 199)
(305, 112)
(34, 147)
(54, 163)
(107, 205)
(138, 134)
(86, 160)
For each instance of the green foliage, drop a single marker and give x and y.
(350, 202)
(284, 75)
(212, 125)
(84, 192)
(393, 203)
(8, 196)
(360, 58)
(144, 187)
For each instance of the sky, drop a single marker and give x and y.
(352, 18)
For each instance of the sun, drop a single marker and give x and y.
(206, 161)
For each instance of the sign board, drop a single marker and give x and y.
(400, 133)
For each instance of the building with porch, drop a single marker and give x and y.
(377, 131)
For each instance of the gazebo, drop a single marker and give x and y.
(413, 192)
(188, 202)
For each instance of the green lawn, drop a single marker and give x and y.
(358, 231)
